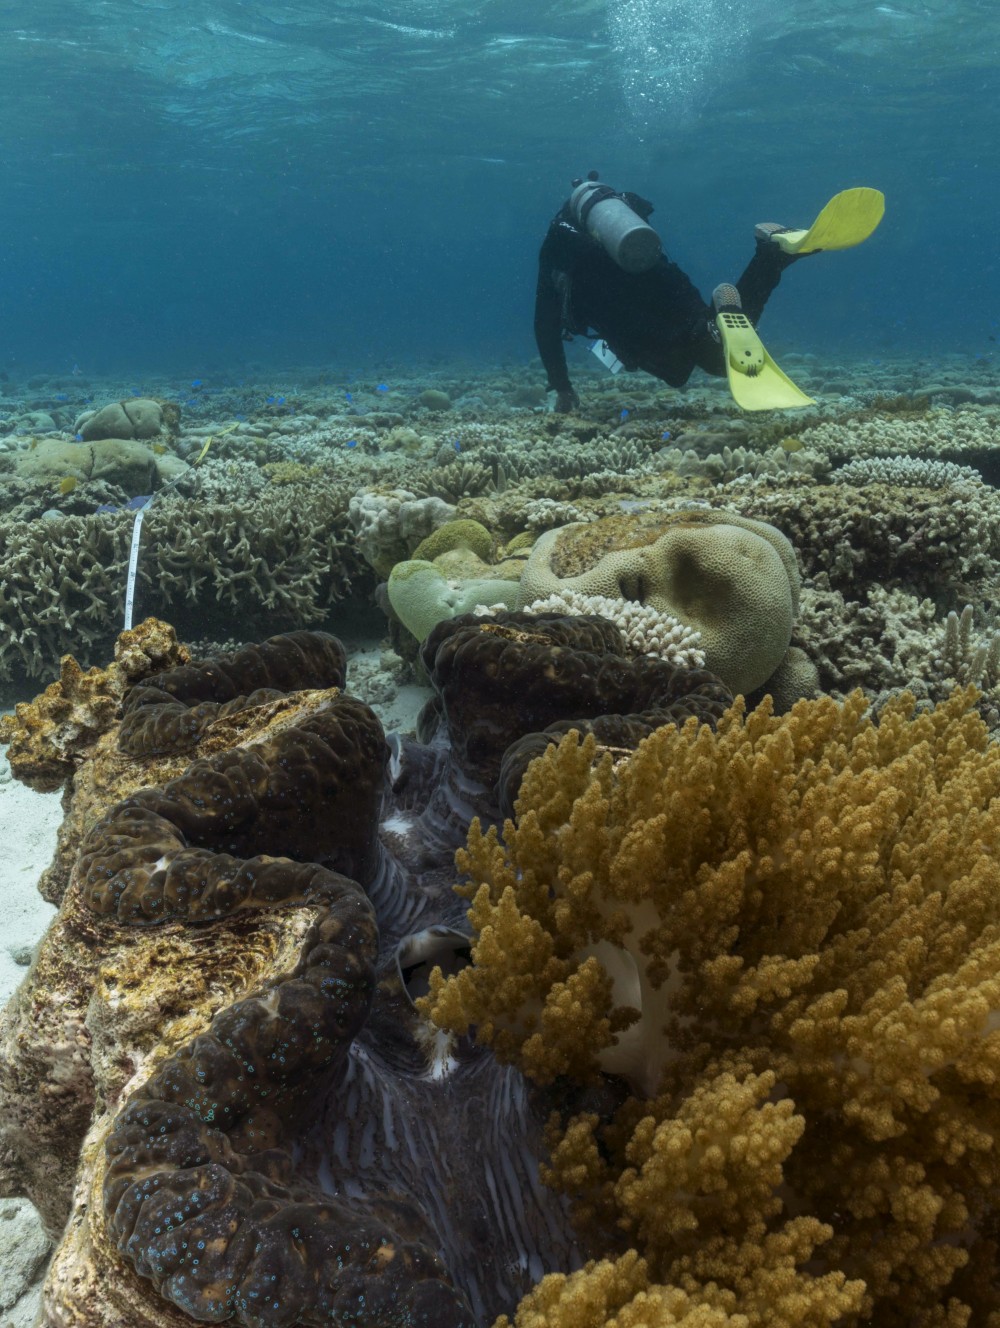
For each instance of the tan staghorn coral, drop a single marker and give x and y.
(785, 937)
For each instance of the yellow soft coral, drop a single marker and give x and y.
(786, 936)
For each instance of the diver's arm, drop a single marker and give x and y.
(560, 251)
(548, 329)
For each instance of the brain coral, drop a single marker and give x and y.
(732, 579)
(784, 937)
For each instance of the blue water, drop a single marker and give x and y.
(199, 184)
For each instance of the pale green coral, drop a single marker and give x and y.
(422, 595)
(461, 534)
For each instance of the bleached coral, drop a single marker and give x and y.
(391, 524)
(907, 472)
(734, 463)
(785, 936)
(547, 513)
(568, 457)
(939, 432)
(645, 629)
(878, 641)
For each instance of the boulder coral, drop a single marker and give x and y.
(139, 417)
(732, 579)
(131, 466)
(424, 593)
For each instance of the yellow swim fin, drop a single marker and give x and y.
(755, 380)
(847, 219)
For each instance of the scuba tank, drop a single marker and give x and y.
(607, 218)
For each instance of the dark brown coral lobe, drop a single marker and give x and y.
(199, 1194)
(199, 846)
(511, 674)
(169, 711)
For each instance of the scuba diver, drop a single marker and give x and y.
(602, 273)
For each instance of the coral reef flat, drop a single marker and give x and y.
(851, 548)
(285, 498)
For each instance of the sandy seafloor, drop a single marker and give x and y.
(289, 433)
(28, 824)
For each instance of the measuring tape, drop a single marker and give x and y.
(133, 556)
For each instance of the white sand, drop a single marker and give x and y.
(28, 824)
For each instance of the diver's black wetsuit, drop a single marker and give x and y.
(654, 320)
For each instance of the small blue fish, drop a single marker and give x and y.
(78, 437)
(348, 396)
(134, 504)
(281, 401)
(665, 434)
(106, 507)
(191, 401)
(196, 382)
(240, 417)
(457, 445)
(136, 392)
(381, 388)
(62, 396)
(351, 442)
(624, 414)
(269, 401)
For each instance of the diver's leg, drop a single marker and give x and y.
(698, 345)
(762, 274)
(706, 347)
(656, 321)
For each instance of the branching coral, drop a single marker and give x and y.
(646, 631)
(954, 435)
(284, 557)
(930, 542)
(786, 937)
